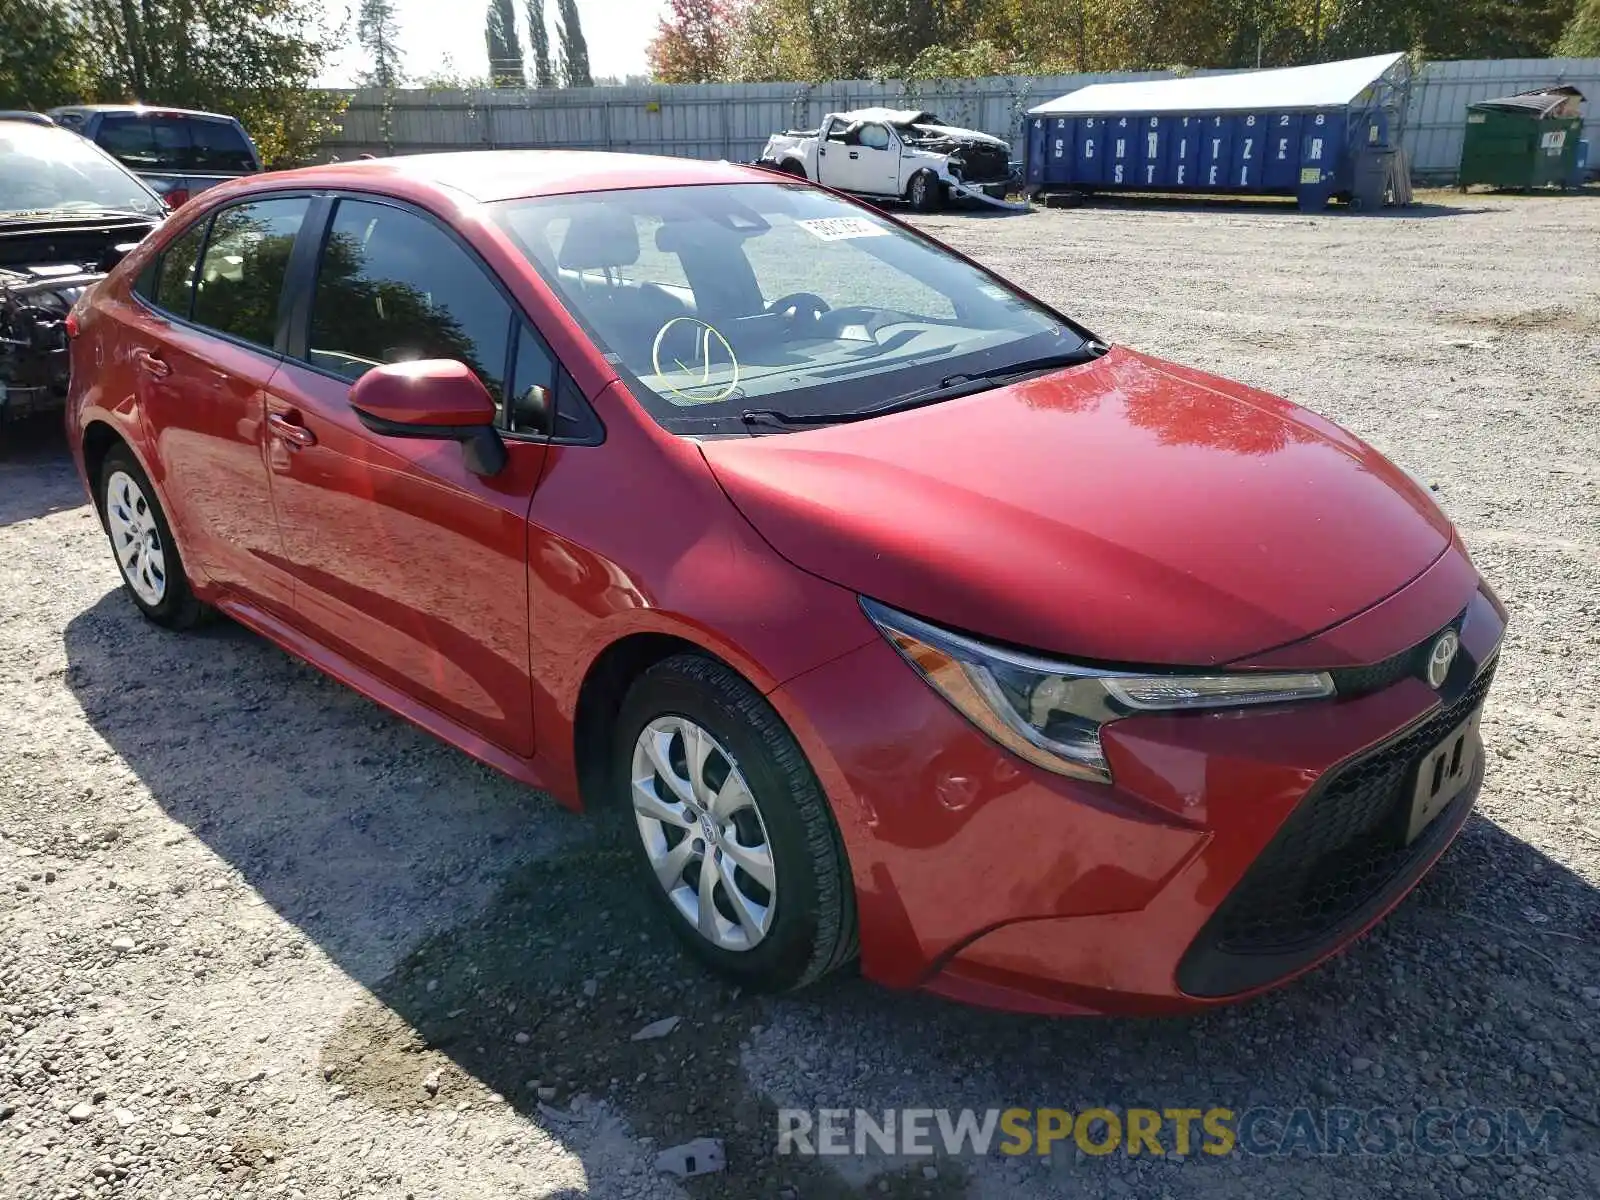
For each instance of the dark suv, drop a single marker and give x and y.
(178, 151)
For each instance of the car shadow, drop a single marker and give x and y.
(507, 951)
(36, 475)
(1245, 205)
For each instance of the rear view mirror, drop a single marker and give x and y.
(432, 398)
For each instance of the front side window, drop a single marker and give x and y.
(574, 420)
(176, 271)
(246, 260)
(875, 137)
(394, 287)
(713, 300)
(147, 142)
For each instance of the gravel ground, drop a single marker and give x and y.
(258, 938)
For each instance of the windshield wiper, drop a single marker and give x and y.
(950, 388)
(92, 213)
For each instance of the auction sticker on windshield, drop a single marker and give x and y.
(838, 229)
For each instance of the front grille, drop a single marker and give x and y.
(985, 164)
(1411, 663)
(1338, 854)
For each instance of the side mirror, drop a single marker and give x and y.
(432, 398)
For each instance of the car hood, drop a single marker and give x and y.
(964, 135)
(1125, 511)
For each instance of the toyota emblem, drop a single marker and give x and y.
(1441, 656)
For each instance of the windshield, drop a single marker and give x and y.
(714, 300)
(55, 171)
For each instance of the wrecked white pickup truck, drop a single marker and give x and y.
(899, 153)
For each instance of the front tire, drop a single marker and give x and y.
(732, 834)
(142, 543)
(924, 192)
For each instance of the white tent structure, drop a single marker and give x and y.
(1288, 89)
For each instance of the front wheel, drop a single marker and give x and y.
(142, 543)
(924, 192)
(734, 838)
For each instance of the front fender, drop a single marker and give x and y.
(912, 161)
(609, 558)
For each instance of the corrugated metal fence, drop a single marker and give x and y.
(732, 121)
(1437, 119)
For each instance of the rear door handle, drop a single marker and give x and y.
(287, 429)
(151, 363)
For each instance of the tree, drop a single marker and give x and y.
(38, 55)
(770, 42)
(693, 42)
(843, 39)
(539, 39)
(1445, 28)
(256, 59)
(505, 47)
(574, 49)
(378, 31)
(1582, 38)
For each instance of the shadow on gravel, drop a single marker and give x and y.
(36, 473)
(1248, 205)
(373, 838)
(529, 981)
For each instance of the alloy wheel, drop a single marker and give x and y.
(703, 833)
(136, 538)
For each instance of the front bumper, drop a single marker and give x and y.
(1234, 851)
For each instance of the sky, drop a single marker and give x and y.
(431, 30)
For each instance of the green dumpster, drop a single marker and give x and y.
(1524, 141)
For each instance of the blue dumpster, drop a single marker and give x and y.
(1289, 132)
(1184, 159)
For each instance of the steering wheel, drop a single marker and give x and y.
(795, 303)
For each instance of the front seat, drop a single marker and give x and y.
(597, 245)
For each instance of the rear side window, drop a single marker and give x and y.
(220, 146)
(246, 259)
(174, 287)
(393, 287)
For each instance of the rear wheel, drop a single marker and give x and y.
(733, 837)
(142, 543)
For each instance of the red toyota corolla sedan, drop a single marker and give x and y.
(897, 616)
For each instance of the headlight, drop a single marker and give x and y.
(1051, 713)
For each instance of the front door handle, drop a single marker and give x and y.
(286, 429)
(151, 363)
(853, 154)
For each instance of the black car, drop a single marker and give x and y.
(68, 213)
(177, 151)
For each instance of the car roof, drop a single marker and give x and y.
(489, 175)
(31, 118)
(155, 110)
